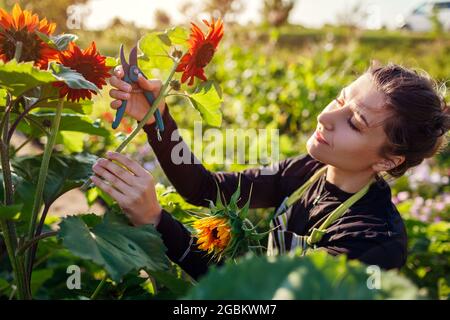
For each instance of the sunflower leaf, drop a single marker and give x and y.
(315, 276)
(114, 244)
(65, 173)
(112, 62)
(156, 54)
(18, 78)
(11, 212)
(178, 36)
(69, 122)
(3, 94)
(71, 78)
(59, 42)
(207, 100)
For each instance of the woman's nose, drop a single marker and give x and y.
(325, 119)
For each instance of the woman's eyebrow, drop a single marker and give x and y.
(355, 110)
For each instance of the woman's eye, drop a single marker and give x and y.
(339, 101)
(352, 125)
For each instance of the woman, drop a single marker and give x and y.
(388, 120)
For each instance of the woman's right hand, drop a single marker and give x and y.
(137, 105)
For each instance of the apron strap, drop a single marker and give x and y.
(297, 194)
(318, 233)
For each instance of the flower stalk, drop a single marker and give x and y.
(38, 199)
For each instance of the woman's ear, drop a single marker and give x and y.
(387, 164)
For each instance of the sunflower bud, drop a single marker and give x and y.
(177, 53)
(47, 123)
(175, 85)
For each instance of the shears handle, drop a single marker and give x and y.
(119, 114)
(121, 111)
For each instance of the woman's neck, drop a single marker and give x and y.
(348, 181)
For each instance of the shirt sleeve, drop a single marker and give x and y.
(198, 186)
(182, 248)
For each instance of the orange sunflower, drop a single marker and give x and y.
(89, 63)
(201, 51)
(213, 234)
(21, 25)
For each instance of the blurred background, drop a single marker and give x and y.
(279, 64)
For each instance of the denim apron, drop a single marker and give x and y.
(282, 241)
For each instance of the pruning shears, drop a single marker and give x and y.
(131, 74)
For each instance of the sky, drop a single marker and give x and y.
(310, 13)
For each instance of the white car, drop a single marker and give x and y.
(420, 18)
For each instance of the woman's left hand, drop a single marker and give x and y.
(133, 189)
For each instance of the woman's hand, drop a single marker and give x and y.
(133, 189)
(137, 105)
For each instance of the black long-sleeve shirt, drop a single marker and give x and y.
(371, 231)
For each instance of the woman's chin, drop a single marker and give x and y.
(315, 149)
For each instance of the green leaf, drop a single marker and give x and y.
(48, 98)
(114, 244)
(175, 283)
(72, 140)
(3, 94)
(178, 36)
(69, 122)
(314, 276)
(112, 62)
(59, 42)
(21, 77)
(64, 173)
(156, 54)
(72, 78)
(38, 278)
(207, 100)
(11, 212)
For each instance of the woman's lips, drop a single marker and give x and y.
(319, 137)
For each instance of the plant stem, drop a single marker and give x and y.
(8, 228)
(38, 232)
(43, 175)
(99, 288)
(142, 123)
(18, 52)
(33, 241)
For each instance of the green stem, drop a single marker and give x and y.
(18, 52)
(8, 228)
(142, 123)
(28, 244)
(43, 175)
(99, 288)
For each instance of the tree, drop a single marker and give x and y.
(223, 8)
(162, 19)
(276, 12)
(352, 17)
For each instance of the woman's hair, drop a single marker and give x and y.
(419, 118)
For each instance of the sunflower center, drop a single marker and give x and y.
(31, 45)
(204, 55)
(215, 234)
(85, 69)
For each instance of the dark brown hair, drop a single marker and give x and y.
(419, 118)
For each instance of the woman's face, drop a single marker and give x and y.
(352, 127)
